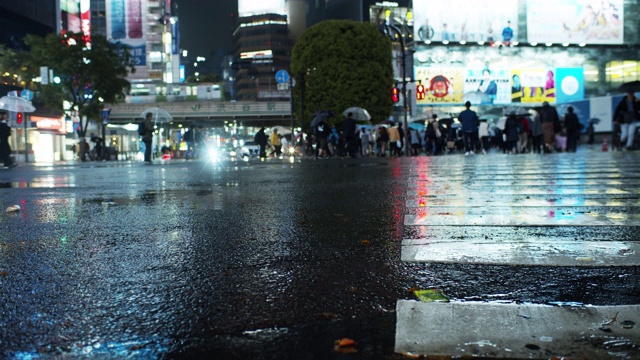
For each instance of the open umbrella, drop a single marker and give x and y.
(319, 116)
(476, 97)
(516, 110)
(281, 130)
(631, 86)
(16, 104)
(159, 115)
(416, 126)
(594, 121)
(359, 114)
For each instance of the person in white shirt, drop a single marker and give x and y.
(483, 134)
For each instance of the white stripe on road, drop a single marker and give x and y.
(533, 251)
(516, 331)
(518, 216)
(457, 189)
(518, 201)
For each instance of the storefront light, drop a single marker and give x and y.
(462, 42)
(427, 42)
(549, 44)
(480, 42)
(565, 44)
(534, 44)
(445, 42)
(582, 44)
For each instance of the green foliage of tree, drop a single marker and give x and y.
(342, 63)
(89, 78)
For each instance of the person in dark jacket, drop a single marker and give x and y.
(550, 125)
(572, 126)
(261, 139)
(5, 148)
(469, 121)
(511, 130)
(147, 138)
(627, 115)
(349, 133)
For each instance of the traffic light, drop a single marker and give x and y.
(420, 92)
(395, 94)
(19, 118)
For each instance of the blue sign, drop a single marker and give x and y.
(26, 94)
(282, 77)
(105, 116)
(569, 85)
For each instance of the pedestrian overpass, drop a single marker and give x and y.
(208, 113)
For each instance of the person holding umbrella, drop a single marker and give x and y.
(147, 138)
(261, 139)
(5, 148)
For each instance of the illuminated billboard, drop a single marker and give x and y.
(575, 21)
(70, 15)
(253, 7)
(500, 86)
(494, 83)
(472, 20)
(126, 24)
(443, 85)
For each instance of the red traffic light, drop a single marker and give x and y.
(395, 95)
(420, 95)
(19, 118)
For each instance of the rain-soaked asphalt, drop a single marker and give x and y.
(279, 259)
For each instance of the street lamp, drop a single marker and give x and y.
(395, 34)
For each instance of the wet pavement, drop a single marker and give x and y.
(280, 259)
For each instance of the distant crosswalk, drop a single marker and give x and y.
(524, 210)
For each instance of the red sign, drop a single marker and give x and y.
(85, 21)
(46, 124)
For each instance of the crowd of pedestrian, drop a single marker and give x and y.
(540, 131)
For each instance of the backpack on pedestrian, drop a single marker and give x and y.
(141, 128)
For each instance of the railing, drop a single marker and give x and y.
(204, 109)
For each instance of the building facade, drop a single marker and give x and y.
(262, 48)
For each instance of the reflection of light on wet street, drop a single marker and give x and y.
(530, 197)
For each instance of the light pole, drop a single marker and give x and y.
(396, 35)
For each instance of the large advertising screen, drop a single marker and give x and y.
(443, 85)
(493, 83)
(500, 86)
(575, 21)
(70, 15)
(126, 24)
(466, 20)
(253, 7)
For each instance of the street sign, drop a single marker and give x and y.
(282, 76)
(283, 86)
(44, 75)
(26, 94)
(105, 116)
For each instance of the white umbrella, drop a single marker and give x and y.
(16, 104)
(476, 97)
(359, 114)
(281, 130)
(159, 115)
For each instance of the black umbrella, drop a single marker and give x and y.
(631, 86)
(320, 116)
(594, 121)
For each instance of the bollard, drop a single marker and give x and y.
(605, 146)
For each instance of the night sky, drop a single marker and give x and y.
(206, 26)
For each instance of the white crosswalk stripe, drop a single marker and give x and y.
(528, 194)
